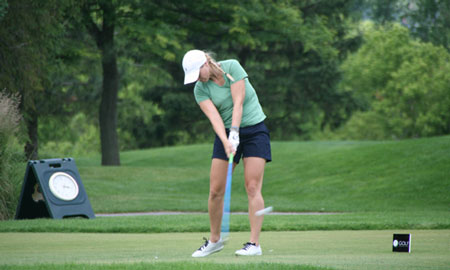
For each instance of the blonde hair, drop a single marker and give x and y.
(216, 70)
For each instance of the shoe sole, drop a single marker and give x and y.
(212, 252)
(257, 254)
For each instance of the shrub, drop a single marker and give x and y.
(363, 126)
(74, 137)
(11, 156)
(400, 84)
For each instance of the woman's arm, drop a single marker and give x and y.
(238, 95)
(213, 115)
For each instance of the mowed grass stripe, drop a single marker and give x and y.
(335, 249)
(341, 176)
(200, 223)
(167, 266)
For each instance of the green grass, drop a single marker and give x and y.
(375, 188)
(283, 250)
(238, 223)
(409, 175)
(166, 266)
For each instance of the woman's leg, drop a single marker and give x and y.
(218, 179)
(254, 173)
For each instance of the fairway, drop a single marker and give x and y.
(334, 249)
(375, 189)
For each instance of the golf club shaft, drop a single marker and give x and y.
(227, 198)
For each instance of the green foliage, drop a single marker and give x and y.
(281, 45)
(416, 102)
(362, 126)
(384, 11)
(149, 114)
(29, 32)
(10, 154)
(3, 8)
(30, 35)
(79, 137)
(292, 51)
(400, 84)
(294, 65)
(429, 20)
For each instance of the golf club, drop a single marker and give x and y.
(264, 211)
(225, 228)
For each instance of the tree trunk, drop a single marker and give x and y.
(31, 146)
(108, 107)
(104, 38)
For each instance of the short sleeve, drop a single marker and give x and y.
(236, 71)
(200, 93)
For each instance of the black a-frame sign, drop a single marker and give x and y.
(52, 188)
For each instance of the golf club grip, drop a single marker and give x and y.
(230, 160)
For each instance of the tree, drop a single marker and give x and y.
(400, 84)
(430, 21)
(29, 34)
(291, 50)
(3, 8)
(298, 64)
(103, 34)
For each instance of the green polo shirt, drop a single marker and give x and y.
(252, 113)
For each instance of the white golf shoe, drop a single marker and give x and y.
(208, 248)
(249, 249)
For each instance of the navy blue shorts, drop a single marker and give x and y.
(254, 141)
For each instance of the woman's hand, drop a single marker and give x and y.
(228, 147)
(233, 137)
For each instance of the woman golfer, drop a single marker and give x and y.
(227, 98)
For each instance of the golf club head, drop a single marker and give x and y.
(264, 211)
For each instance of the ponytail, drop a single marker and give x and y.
(216, 70)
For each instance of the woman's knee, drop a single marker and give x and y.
(216, 194)
(253, 189)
